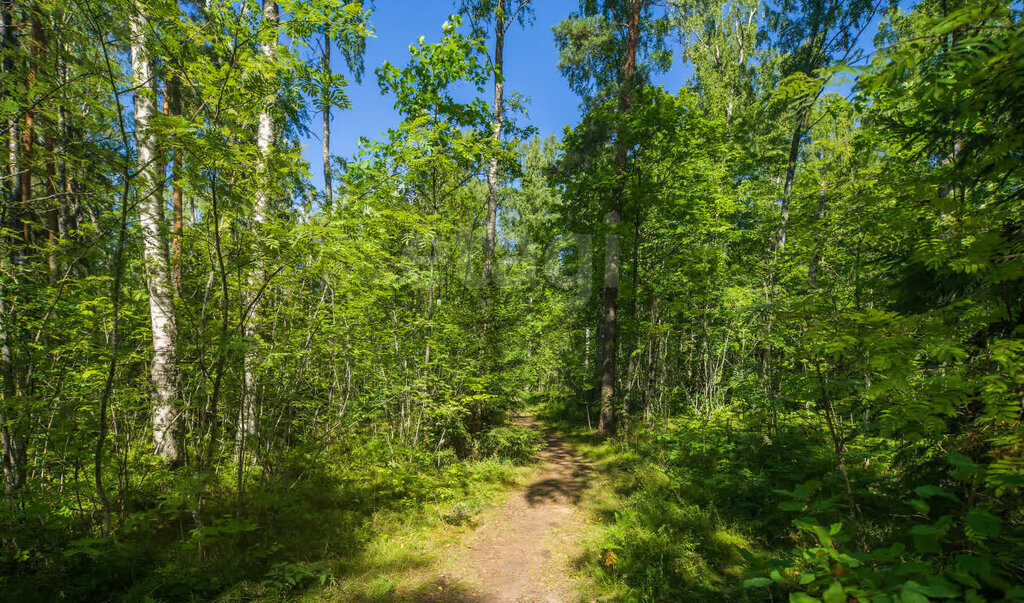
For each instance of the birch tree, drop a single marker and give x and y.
(499, 15)
(164, 373)
(261, 211)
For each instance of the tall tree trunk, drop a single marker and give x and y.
(787, 187)
(28, 133)
(497, 124)
(264, 142)
(326, 142)
(606, 424)
(13, 419)
(587, 373)
(8, 43)
(9, 215)
(52, 210)
(164, 372)
(8, 435)
(39, 52)
(812, 270)
(15, 159)
(63, 198)
(611, 256)
(172, 108)
(115, 303)
(771, 286)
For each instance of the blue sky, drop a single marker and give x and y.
(531, 68)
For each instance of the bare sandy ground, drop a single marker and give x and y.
(523, 551)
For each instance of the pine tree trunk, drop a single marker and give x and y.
(63, 198)
(28, 134)
(164, 372)
(611, 258)
(40, 51)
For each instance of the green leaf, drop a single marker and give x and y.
(923, 530)
(802, 598)
(975, 565)
(823, 535)
(835, 593)
(824, 504)
(1015, 593)
(964, 578)
(756, 582)
(1008, 480)
(983, 523)
(965, 467)
(912, 597)
(929, 491)
(919, 505)
(937, 588)
(927, 544)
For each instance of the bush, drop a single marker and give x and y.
(517, 444)
(492, 471)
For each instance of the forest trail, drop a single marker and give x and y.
(523, 551)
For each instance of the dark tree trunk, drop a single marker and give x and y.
(611, 260)
(172, 108)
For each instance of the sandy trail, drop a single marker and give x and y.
(523, 552)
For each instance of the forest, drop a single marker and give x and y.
(760, 337)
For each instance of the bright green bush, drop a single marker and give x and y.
(517, 444)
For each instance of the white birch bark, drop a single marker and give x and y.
(264, 141)
(326, 142)
(164, 371)
(497, 123)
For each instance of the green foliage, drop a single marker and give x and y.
(819, 349)
(284, 577)
(592, 46)
(517, 444)
(949, 551)
(425, 86)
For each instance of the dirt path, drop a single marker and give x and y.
(523, 551)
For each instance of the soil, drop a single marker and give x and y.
(524, 551)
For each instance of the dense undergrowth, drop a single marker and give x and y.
(794, 305)
(739, 508)
(336, 523)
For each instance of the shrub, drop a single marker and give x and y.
(517, 444)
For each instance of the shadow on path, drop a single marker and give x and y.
(523, 552)
(571, 476)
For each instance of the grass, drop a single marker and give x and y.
(666, 518)
(352, 526)
(398, 552)
(652, 534)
